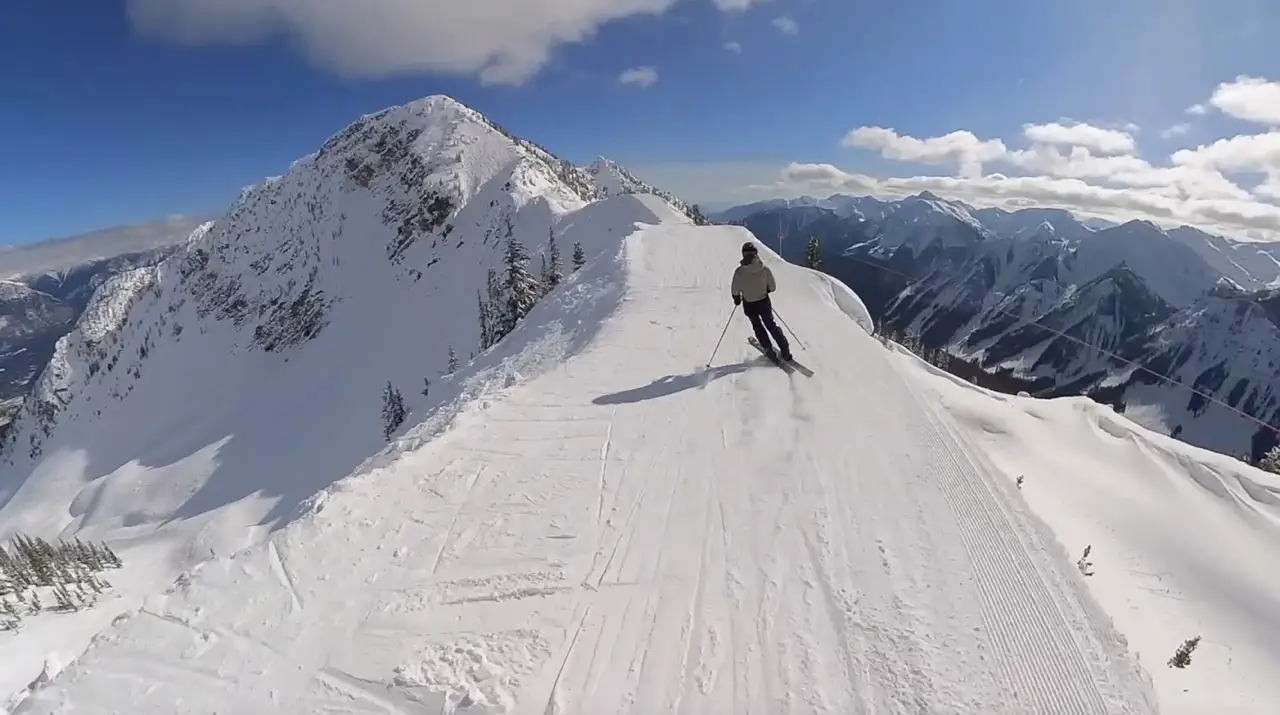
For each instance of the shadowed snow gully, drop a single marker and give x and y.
(625, 532)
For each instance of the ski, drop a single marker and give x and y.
(775, 360)
(790, 366)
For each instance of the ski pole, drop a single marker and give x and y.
(722, 334)
(789, 330)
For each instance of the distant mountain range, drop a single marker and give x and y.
(46, 286)
(1059, 305)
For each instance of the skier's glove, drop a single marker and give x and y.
(737, 300)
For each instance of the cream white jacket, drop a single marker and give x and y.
(753, 281)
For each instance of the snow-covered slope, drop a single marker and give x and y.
(628, 532)
(38, 308)
(353, 254)
(30, 321)
(1224, 347)
(1182, 541)
(1248, 264)
(198, 402)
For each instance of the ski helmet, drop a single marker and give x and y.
(748, 247)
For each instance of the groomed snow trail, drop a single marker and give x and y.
(627, 533)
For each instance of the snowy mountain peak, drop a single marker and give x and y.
(1043, 231)
(1174, 271)
(613, 179)
(405, 208)
(936, 211)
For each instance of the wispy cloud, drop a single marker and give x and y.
(1229, 186)
(498, 41)
(735, 5)
(733, 47)
(1176, 130)
(639, 76)
(786, 25)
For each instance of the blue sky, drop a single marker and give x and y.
(125, 112)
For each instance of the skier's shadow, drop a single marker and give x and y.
(672, 384)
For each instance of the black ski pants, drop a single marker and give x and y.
(760, 313)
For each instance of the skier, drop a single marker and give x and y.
(752, 284)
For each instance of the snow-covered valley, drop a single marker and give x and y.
(584, 517)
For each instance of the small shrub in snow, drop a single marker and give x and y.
(579, 258)
(1271, 460)
(1020, 478)
(1084, 564)
(1182, 657)
(393, 411)
(426, 386)
(453, 361)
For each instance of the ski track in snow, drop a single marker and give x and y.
(741, 541)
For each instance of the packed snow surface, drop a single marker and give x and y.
(1184, 540)
(619, 530)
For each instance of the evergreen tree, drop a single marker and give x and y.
(453, 361)
(486, 320)
(813, 255)
(551, 273)
(491, 309)
(520, 288)
(699, 219)
(579, 258)
(393, 410)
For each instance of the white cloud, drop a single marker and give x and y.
(1104, 141)
(1198, 109)
(786, 25)
(735, 5)
(1230, 186)
(961, 148)
(1239, 219)
(500, 41)
(639, 76)
(1176, 130)
(734, 47)
(1252, 99)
